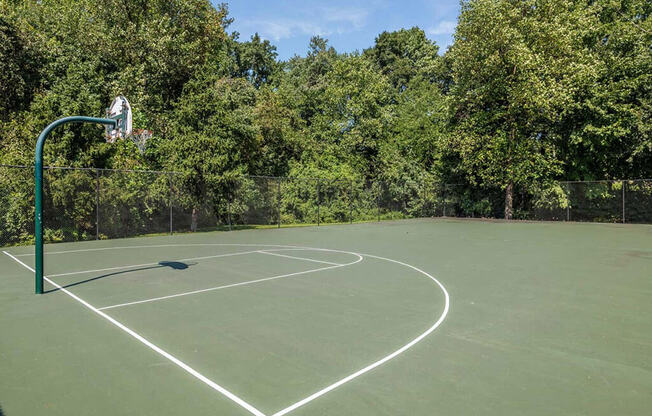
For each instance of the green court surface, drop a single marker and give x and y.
(414, 317)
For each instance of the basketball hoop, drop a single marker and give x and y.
(140, 138)
(120, 111)
(118, 122)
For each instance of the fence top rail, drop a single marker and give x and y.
(608, 181)
(290, 178)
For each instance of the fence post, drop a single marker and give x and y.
(228, 213)
(318, 200)
(624, 183)
(171, 202)
(568, 205)
(97, 204)
(279, 202)
(444, 195)
(426, 202)
(378, 205)
(351, 203)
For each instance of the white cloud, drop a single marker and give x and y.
(285, 28)
(321, 21)
(274, 30)
(356, 18)
(445, 27)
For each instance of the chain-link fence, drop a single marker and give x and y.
(89, 203)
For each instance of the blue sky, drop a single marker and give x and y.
(348, 25)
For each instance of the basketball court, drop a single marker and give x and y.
(398, 318)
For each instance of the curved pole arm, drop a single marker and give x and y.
(38, 180)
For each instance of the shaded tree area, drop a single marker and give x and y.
(531, 92)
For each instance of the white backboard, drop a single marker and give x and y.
(120, 110)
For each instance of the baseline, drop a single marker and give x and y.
(84, 250)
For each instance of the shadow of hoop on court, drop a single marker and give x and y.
(174, 265)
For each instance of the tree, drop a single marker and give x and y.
(213, 138)
(404, 54)
(255, 60)
(89, 52)
(531, 92)
(354, 115)
(281, 133)
(512, 64)
(419, 123)
(19, 70)
(607, 120)
(303, 80)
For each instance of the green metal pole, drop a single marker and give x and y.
(97, 204)
(38, 189)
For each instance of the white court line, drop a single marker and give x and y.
(327, 388)
(154, 347)
(299, 258)
(194, 292)
(153, 264)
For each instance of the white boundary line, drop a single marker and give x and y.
(265, 279)
(300, 258)
(154, 347)
(231, 395)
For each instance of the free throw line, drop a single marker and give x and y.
(239, 253)
(299, 258)
(151, 345)
(249, 282)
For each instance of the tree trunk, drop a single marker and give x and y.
(193, 221)
(509, 201)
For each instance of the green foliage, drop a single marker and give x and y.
(16, 205)
(530, 93)
(354, 117)
(254, 60)
(608, 117)
(420, 124)
(280, 130)
(212, 135)
(504, 96)
(403, 55)
(19, 68)
(552, 196)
